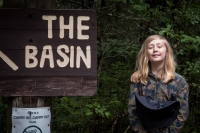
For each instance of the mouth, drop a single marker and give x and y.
(156, 55)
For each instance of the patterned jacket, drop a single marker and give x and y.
(158, 90)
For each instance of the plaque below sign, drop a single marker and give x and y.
(31, 120)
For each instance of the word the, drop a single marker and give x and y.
(69, 26)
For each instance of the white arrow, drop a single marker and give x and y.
(8, 61)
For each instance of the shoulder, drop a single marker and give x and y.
(179, 78)
(180, 81)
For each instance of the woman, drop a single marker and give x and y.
(155, 72)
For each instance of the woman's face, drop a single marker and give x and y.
(156, 50)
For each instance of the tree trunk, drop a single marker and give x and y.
(27, 102)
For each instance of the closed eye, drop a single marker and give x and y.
(150, 47)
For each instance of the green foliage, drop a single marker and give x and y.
(1, 3)
(192, 72)
(99, 110)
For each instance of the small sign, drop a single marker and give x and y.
(31, 120)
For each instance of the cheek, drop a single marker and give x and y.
(149, 52)
(164, 51)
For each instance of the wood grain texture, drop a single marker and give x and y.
(31, 19)
(47, 86)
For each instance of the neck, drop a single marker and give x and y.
(156, 67)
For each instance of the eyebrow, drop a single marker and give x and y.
(156, 44)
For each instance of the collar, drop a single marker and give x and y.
(152, 76)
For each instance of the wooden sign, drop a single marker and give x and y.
(47, 52)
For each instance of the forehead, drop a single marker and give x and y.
(156, 42)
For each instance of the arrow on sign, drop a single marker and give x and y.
(8, 61)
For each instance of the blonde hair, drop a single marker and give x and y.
(142, 63)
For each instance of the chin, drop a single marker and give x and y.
(156, 60)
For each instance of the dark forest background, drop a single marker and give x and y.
(122, 27)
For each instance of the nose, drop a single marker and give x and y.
(155, 49)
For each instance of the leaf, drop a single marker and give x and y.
(89, 113)
(151, 30)
(107, 114)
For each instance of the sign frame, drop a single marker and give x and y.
(22, 28)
